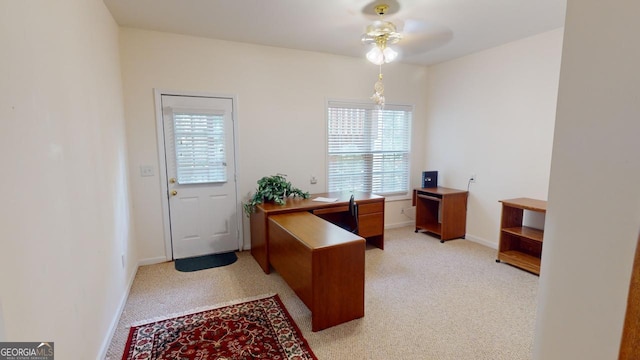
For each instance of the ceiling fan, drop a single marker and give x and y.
(417, 35)
(414, 35)
(381, 33)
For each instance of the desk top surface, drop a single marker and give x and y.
(299, 204)
(314, 232)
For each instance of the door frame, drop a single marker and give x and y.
(162, 165)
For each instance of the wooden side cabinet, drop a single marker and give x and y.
(520, 245)
(441, 211)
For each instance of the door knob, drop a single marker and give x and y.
(172, 180)
(174, 192)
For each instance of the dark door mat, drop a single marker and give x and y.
(205, 262)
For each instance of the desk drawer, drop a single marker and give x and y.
(370, 225)
(376, 207)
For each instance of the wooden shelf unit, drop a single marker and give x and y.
(520, 245)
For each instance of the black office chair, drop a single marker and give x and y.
(351, 222)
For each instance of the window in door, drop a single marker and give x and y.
(200, 147)
(368, 148)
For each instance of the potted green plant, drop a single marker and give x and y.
(274, 188)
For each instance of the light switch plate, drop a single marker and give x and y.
(146, 170)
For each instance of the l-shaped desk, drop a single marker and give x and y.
(370, 218)
(322, 262)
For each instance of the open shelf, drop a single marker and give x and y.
(526, 232)
(435, 228)
(520, 245)
(521, 260)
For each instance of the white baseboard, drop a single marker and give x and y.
(481, 241)
(151, 261)
(399, 225)
(114, 323)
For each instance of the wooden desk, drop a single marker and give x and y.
(441, 211)
(323, 264)
(370, 218)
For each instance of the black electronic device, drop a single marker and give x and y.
(429, 179)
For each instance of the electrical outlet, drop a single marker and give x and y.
(313, 180)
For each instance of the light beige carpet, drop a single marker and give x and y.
(423, 300)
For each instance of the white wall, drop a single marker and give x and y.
(281, 110)
(492, 114)
(65, 219)
(593, 216)
(3, 336)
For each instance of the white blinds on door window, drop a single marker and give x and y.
(368, 149)
(200, 147)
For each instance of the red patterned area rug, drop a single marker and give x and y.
(254, 329)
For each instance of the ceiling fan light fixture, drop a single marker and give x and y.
(379, 56)
(375, 55)
(389, 54)
(380, 34)
(381, 28)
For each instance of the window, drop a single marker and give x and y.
(367, 148)
(200, 147)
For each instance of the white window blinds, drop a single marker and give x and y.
(200, 147)
(368, 149)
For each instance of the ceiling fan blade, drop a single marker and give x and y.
(418, 43)
(419, 36)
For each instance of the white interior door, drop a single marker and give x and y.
(200, 164)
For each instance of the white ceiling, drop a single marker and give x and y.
(434, 30)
